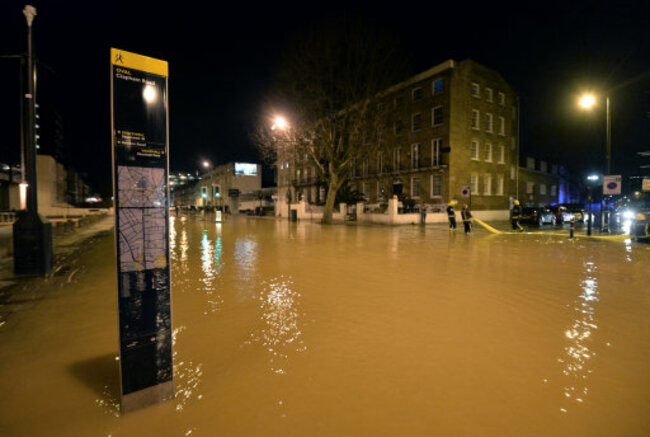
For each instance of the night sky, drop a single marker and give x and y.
(222, 61)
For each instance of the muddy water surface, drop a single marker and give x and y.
(306, 330)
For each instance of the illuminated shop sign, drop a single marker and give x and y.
(242, 168)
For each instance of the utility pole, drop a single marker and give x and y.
(32, 235)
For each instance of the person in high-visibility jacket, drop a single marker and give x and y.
(515, 215)
(451, 214)
(467, 219)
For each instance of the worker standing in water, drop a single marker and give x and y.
(515, 215)
(467, 219)
(451, 214)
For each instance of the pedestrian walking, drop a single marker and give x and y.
(515, 214)
(451, 214)
(466, 215)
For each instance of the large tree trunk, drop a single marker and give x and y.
(332, 189)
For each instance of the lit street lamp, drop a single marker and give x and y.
(32, 235)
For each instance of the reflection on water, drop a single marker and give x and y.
(577, 356)
(281, 334)
(246, 258)
(187, 376)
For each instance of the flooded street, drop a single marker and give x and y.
(299, 329)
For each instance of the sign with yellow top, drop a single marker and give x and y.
(139, 121)
(139, 62)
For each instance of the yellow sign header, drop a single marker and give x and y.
(139, 62)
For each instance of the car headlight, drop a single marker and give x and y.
(628, 215)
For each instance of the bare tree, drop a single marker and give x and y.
(331, 84)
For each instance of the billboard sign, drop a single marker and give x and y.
(140, 139)
(612, 184)
(244, 169)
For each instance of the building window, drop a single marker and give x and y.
(488, 122)
(474, 152)
(502, 154)
(416, 122)
(437, 116)
(380, 162)
(530, 163)
(436, 186)
(553, 190)
(381, 192)
(366, 189)
(398, 127)
(476, 116)
(397, 102)
(474, 184)
(513, 143)
(500, 186)
(415, 187)
(488, 94)
(305, 176)
(542, 189)
(416, 94)
(554, 169)
(502, 126)
(487, 184)
(438, 86)
(476, 90)
(502, 99)
(543, 166)
(530, 187)
(435, 152)
(487, 152)
(396, 153)
(365, 167)
(512, 172)
(415, 156)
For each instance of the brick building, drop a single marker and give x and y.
(452, 126)
(541, 183)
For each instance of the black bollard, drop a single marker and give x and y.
(572, 227)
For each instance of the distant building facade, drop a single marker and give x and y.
(453, 126)
(222, 187)
(541, 183)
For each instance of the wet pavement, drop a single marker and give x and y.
(299, 329)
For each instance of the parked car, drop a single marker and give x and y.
(640, 228)
(561, 214)
(537, 215)
(578, 212)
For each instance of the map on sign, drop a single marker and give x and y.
(140, 187)
(143, 239)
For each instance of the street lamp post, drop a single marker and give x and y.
(32, 235)
(589, 199)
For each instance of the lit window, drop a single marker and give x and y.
(488, 94)
(542, 189)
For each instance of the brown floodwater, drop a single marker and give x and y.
(299, 329)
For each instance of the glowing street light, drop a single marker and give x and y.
(593, 177)
(206, 164)
(149, 93)
(280, 123)
(587, 101)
